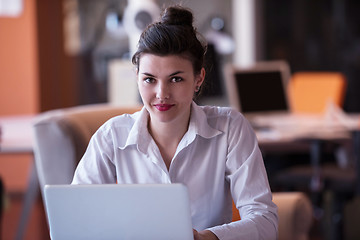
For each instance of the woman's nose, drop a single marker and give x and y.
(162, 91)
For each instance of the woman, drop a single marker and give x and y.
(211, 150)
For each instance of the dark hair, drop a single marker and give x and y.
(174, 34)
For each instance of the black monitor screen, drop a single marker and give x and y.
(261, 91)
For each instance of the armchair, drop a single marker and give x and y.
(61, 137)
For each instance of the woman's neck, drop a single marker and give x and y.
(167, 137)
(168, 133)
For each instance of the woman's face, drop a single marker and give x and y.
(167, 85)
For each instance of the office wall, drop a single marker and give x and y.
(18, 64)
(18, 84)
(35, 73)
(58, 79)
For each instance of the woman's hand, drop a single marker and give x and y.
(204, 235)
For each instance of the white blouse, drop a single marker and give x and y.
(218, 159)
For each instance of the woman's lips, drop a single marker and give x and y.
(163, 107)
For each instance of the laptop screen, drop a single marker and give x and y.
(261, 91)
(261, 88)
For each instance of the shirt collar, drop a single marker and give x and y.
(140, 136)
(199, 123)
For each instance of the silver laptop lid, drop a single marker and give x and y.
(115, 211)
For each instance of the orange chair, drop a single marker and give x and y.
(310, 92)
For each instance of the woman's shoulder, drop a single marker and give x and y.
(228, 119)
(217, 111)
(223, 118)
(125, 120)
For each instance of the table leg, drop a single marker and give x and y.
(316, 184)
(31, 194)
(356, 142)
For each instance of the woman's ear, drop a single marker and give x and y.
(200, 77)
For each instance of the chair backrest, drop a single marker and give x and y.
(61, 137)
(310, 92)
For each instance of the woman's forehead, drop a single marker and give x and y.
(164, 63)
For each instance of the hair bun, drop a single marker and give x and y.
(177, 16)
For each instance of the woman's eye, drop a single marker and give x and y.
(176, 79)
(149, 80)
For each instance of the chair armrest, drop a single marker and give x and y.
(295, 215)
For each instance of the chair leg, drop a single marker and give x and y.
(2, 197)
(30, 197)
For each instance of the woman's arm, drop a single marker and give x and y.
(204, 235)
(249, 187)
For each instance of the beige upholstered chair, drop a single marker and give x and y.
(61, 137)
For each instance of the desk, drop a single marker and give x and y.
(307, 132)
(16, 138)
(292, 127)
(16, 134)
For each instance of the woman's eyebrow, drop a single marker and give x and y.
(171, 75)
(148, 74)
(175, 73)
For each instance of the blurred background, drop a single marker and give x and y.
(65, 47)
(64, 53)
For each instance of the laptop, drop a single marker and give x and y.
(118, 211)
(259, 90)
